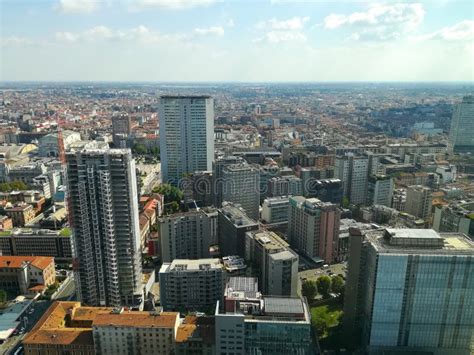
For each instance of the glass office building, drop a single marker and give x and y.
(415, 290)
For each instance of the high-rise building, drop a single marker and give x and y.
(328, 190)
(461, 135)
(380, 190)
(241, 183)
(188, 235)
(186, 135)
(285, 186)
(233, 223)
(419, 201)
(353, 172)
(121, 129)
(275, 210)
(410, 290)
(313, 228)
(217, 175)
(276, 263)
(191, 285)
(457, 217)
(103, 204)
(255, 324)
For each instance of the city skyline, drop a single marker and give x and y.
(312, 41)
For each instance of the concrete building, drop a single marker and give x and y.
(121, 129)
(410, 291)
(26, 275)
(103, 203)
(48, 145)
(27, 172)
(276, 263)
(419, 201)
(328, 190)
(42, 242)
(263, 325)
(285, 186)
(191, 285)
(380, 190)
(217, 176)
(275, 210)
(188, 235)
(135, 333)
(353, 172)
(456, 217)
(196, 335)
(69, 327)
(233, 223)
(461, 135)
(241, 186)
(313, 228)
(186, 135)
(21, 214)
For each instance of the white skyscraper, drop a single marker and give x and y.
(353, 172)
(461, 136)
(102, 190)
(186, 135)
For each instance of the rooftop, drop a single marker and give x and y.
(15, 262)
(192, 265)
(420, 241)
(236, 215)
(137, 319)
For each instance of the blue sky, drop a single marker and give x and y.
(228, 40)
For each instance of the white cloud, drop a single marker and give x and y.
(173, 4)
(76, 6)
(380, 21)
(462, 31)
(289, 30)
(140, 34)
(213, 31)
(294, 23)
(230, 23)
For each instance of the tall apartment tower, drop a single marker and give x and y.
(103, 204)
(186, 135)
(461, 135)
(217, 175)
(353, 172)
(380, 190)
(419, 201)
(233, 223)
(241, 185)
(188, 235)
(276, 263)
(410, 290)
(313, 228)
(121, 129)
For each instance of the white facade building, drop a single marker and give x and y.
(186, 135)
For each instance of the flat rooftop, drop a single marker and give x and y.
(236, 215)
(420, 241)
(192, 265)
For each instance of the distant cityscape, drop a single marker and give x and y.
(236, 218)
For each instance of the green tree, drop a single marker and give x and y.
(309, 290)
(337, 284)
(3, 296)
(14, 185)
(324, 285)
(345, 202)
(140, 149)
(155, 151)
(172, 195)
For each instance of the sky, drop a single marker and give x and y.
(236, 40)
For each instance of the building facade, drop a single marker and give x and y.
(461, 135)
(233, 223)
(103, 207)
(188, 235)
(411, 290)
(313, 228)
(419, 201)
(380, 190)
(186, 136)
(276, 263)
(191, 285)
(353, 172)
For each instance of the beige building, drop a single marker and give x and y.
(26, 274)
